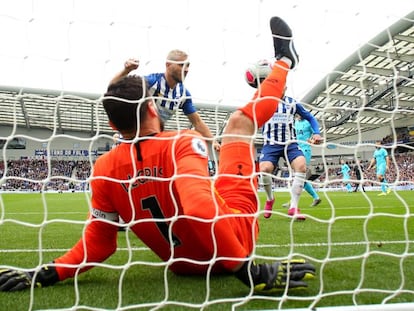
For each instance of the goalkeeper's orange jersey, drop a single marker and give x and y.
(161, 188)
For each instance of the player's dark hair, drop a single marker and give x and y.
(122, 100)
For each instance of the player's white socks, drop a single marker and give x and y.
(267, 185)
(297, 188)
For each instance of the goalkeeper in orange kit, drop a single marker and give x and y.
(158, 183)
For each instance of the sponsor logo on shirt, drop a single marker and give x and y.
(199, 146)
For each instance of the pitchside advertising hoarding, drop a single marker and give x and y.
(65, 153)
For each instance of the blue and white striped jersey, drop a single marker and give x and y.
(279, 129)
(169, 99)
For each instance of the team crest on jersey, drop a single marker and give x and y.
(199, 146)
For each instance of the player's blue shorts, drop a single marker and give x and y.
(273, 153)
(381, 168)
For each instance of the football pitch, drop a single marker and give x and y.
(361, 243)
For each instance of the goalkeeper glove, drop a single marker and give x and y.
(276, 277)
(14, 280)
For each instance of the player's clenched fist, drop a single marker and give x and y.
(131, 64)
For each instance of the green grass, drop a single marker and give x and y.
(361, 245)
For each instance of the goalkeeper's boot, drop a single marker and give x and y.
(268, 208)
(283, 41)
(295, 214)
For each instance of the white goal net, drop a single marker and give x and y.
(355, 76)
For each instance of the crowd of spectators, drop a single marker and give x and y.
(72, 175)
(41, 175)
(401, 138)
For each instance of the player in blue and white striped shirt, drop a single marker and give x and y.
(169, 92)
(279, 141)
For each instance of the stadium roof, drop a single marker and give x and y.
(372, 88)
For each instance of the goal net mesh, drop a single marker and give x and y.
(57, 60)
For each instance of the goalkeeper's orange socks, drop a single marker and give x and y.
(286, 60)
(264, 103)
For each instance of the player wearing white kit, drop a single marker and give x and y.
(279, 141)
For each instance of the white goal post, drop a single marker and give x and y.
(389, 307)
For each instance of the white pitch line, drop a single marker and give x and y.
(336, 244)
(51, 250)
(49, 213)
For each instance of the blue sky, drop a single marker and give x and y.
(77, 45)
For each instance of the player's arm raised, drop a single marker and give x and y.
(129, 65)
